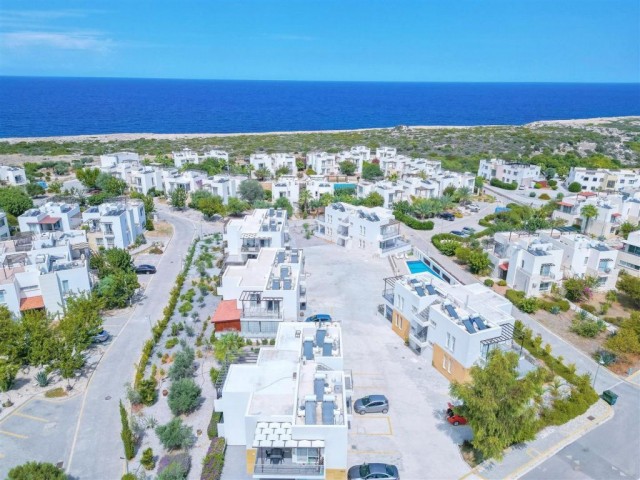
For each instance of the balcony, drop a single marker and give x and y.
(250, 248)
(343, 232)
(321, 219)
(419, 338)
(344, 221)
(286, 468)
(389, 233)
(422, 318)
(393, 245)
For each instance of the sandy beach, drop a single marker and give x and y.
(178, 136)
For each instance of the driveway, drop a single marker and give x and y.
(414, 434)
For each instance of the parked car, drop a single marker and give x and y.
(459, 233)
(447, 216)
(320, 317)
(454, 419)
(371, 404)
(474, 208)
(368, 471)
(469, 230)
(101, 337)
(145, 269)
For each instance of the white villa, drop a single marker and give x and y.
(508, 172)
(597, 179)
(51, 217)
(14, 176)
(246, 236)
(115, 224)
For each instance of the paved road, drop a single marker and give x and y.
(96, 449)
(607, 452)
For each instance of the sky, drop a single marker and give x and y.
(336, 40)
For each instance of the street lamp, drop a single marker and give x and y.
(600, 362)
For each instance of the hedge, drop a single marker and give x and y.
(412, 222)
(525, 304)
(212, 429)
(504, 185)
(159, 327)
(214, 460)
(561, 304)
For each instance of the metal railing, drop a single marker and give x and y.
(389, 234)
(289, 469)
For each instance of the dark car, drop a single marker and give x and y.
(447, 216)
(459, 233)
(145, 269)
(320, 317)
(371, 404)
(101, 337)
(469, 230)
(368, 471)
(454, 419)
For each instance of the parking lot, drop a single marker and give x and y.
(414, 435)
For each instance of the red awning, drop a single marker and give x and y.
(31, 303)
(564, 204)
(587, 194)
(616, 215)
(227, 311)
(504, 266)
(49, 220)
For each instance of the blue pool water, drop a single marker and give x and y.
(344, 186)
(418, 266)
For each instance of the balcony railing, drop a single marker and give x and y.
(289, 469)
(398, 243)
(321, 219)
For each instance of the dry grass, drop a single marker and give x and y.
(162, 229)
(55, 393)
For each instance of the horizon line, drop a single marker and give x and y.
(325, 81)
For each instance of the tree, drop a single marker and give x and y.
(478, 183)
(55, 187)
(347, 168)
(111, 261)
(424, 208)
(304, 199)
(211, 206)
(81, 321)
(88, 177)
(282, 171)
(14, 201)
(549, 173)
(371, 171)
(497, 404)
(36, 471)
(556, 223)
(182, 366)
(630, 286)
(40, 342)
(34, 189)
(111, 185)
(262, 173)
(126, 434)
(175, 434)
(8, 372)
(403, 207)
(574, 187)
(227, 347)
(374, 199)
(626, 228)
(463, 195)
(285, 204)
(11, 337)
(184, 396)
(478, 262)
(577, 289)
(178, 198)
(237, 207)
(449, 191)
(61, 168)
(117, 288)
(588, 212)
(251, 191)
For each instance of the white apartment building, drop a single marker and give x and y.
(184, 157)
(189, 180)
(291, 408)
(286, 186)
(420, 166)
(456, 325)
(40, 271)
(113, 159)
(610, 212)
(143, 179)
(596, 179)
(391, 192)
(224, 186)
(115, 224)
(357, 155)
(374, 229)
(629, 256)
(5, 232)
(216, 153)
(318, 186)
(51, 217)
(322, 163)
(268, 290)
(583, 256)
(264, 227)
(273, 162)
(527, 262)
(14, 176)
(509, 172)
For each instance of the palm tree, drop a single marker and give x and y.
(423, 208)
(588, 212)
(556, 223)
(463, 194)
(304, 199)
(446, 202)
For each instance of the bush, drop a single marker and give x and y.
(544, 196)
(589, 308)
(504, 185)
(175, 435)
(129, 476)
(147, 460)
(502, 283)
(488, 282)
(36, 471)
(574, 187)
(528, 305)
(174, 467)
(412, 222)
(552, 182)
(147, 391)
(212, 429)
(214, 460)
(449, 248)
(126, 434)
(8, 372)
(559, 304)
(586, 327)
(184, 396)
(172, 342)
(182, 365)
(532, 194)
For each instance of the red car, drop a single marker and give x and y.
(454, 419)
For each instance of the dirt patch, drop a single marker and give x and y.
(161, 229)
(560, 324)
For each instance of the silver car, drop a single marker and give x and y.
(368, 471)
(371, 404)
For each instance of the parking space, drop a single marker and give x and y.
(41, 430)
(414, 435)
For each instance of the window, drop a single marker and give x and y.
(545, 286)
(398, 321)
(632, 249)
(629, 265)
(65, 286)
(545, 269)
(446, 363)
(2, 300)
(451, 342)
(414, 309)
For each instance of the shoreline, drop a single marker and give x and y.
(109, 137)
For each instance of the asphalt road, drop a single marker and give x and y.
(610, 451)
(96, 449)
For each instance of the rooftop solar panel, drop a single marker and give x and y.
(469, 326)
(479, 323)
(451, 311)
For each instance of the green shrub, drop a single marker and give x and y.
(589, 308)
(126, 434)
(175, 435)
(413, 222)
(488, 282)
(504, 185)
(8, 373)
(449, 247)
(214, 373)
(552, 182)
(172, 342)
(586, 327)
(147, 390)
(528, 305)
(129, 476)
(558, 304)
(184, 396)
(214, 460)
(182, 366)
(502, 283)
(544, 196)
(574, 187)
(36, 471)
(212, 429)
(532, 194)
(514, 296)
(148, 461)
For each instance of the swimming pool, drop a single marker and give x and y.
(418, 266)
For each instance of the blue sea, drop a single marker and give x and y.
(74, 106)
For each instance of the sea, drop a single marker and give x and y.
(51, 106)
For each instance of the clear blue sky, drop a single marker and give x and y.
(388, 40)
